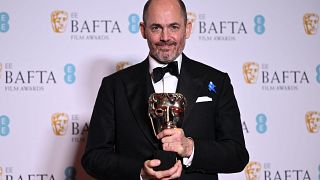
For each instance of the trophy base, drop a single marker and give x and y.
(167, 158)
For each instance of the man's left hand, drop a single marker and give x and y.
(175, 140)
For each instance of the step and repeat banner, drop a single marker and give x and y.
(54, 54)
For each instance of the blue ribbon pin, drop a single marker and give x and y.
(212, 87)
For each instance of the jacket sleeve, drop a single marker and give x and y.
(100, 159)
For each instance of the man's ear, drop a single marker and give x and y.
(142, 29)
(188, 29)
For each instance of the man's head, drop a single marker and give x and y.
(166, 28)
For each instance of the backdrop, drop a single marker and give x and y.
(54, 54)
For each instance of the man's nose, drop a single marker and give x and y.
(164, 34)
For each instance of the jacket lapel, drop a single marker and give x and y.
(139, 88)
(189, 83)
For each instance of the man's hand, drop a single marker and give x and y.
(147, 171)
(175, 140)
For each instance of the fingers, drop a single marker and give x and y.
(177, 172)
(148, 173)
(175, 140)
(170, 133)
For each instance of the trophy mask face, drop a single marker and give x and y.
(166, 110)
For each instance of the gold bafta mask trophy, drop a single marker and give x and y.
(166, 111)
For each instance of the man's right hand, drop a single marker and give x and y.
(147, 171)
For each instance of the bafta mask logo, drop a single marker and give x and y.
(121, 65)
(59, 21)
(310, 22)
(59, 122)
(313, 121)
(250, 72)
(253, 171)
(192, 17)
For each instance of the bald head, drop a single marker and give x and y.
(180, 3)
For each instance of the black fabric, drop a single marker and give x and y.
(159, 72)
(167, 158)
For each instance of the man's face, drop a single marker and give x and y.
(165, 30)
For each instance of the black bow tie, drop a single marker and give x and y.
(159, 72)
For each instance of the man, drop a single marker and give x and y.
(121, 141)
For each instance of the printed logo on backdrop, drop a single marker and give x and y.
(261, 120)
(245, 128)
(59, 21)
(319, 172)
(70, 126)
(0, 70)
(274, 79)
(311, 23)
(70, 173)
(208, 28)
(253, 171)
(4, 22)
(9, 173)
(80, 27)
(15, 78)
(258, 171)
(69, 76)
(122, 65)
(318, 73)
(259, 24)
(261, 124)
(4, 125)
(312, 119)
(192, 17)
(134, 23)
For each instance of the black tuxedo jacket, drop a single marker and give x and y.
(120, 136)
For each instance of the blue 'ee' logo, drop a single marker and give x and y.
(69, 76)
(318, 76)
(4, 125)
(70, 173)
(4, 22)
(319, 171)
(259, 26)
(261, 126)
(134, 20)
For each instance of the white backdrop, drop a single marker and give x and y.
(48, 74)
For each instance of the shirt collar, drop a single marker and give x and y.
(154, 64)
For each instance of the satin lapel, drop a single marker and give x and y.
(189, 84)
(139, 88)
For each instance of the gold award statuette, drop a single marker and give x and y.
(166, 111)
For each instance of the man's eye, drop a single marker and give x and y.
(175, 28)
(155, 28)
